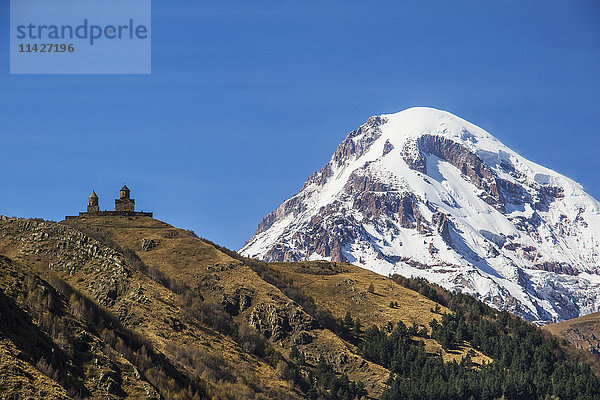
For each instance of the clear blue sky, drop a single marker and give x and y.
(246, 99)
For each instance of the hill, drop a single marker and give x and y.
(582, 333)
(131, 307)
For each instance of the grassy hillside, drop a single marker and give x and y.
(48, 348)
(131, 307)
(181, 350)
(197, 269)
(370, 298)
(582, 333)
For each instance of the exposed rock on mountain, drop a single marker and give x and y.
(425, 193)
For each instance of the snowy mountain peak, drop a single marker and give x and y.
(422, 192)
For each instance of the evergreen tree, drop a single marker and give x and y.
(526, 363)
(294, 352)
(301, 359)
(348, 321)
(357, 327)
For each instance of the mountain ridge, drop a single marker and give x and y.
(423, 192)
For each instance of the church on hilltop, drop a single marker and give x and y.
(124, 206)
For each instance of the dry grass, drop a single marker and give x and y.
(342, 288)
(584, 334)
(348, 290)
(18, 379)
(149, 308)
(155, 253)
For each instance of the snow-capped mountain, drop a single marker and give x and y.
(425, 193)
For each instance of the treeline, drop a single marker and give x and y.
(528, 364)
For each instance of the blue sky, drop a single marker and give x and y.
(246, 99)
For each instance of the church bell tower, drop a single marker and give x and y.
(93, 203)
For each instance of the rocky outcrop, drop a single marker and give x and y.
(149, 244)
(442, 224)
(71, 252)
(358, 142)
(237, 302)
(558, 268)
(387, 147)
(279, 323)
(292, 206)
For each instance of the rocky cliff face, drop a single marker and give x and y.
(425, 193)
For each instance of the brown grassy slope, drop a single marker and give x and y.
(342, 288)
(146, 272)
(584, 334)
(19, 379)
(221, 279)
(143, 306)
(45, 350)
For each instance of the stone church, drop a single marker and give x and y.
(124, 206)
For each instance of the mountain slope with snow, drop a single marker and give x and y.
(425, 193)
